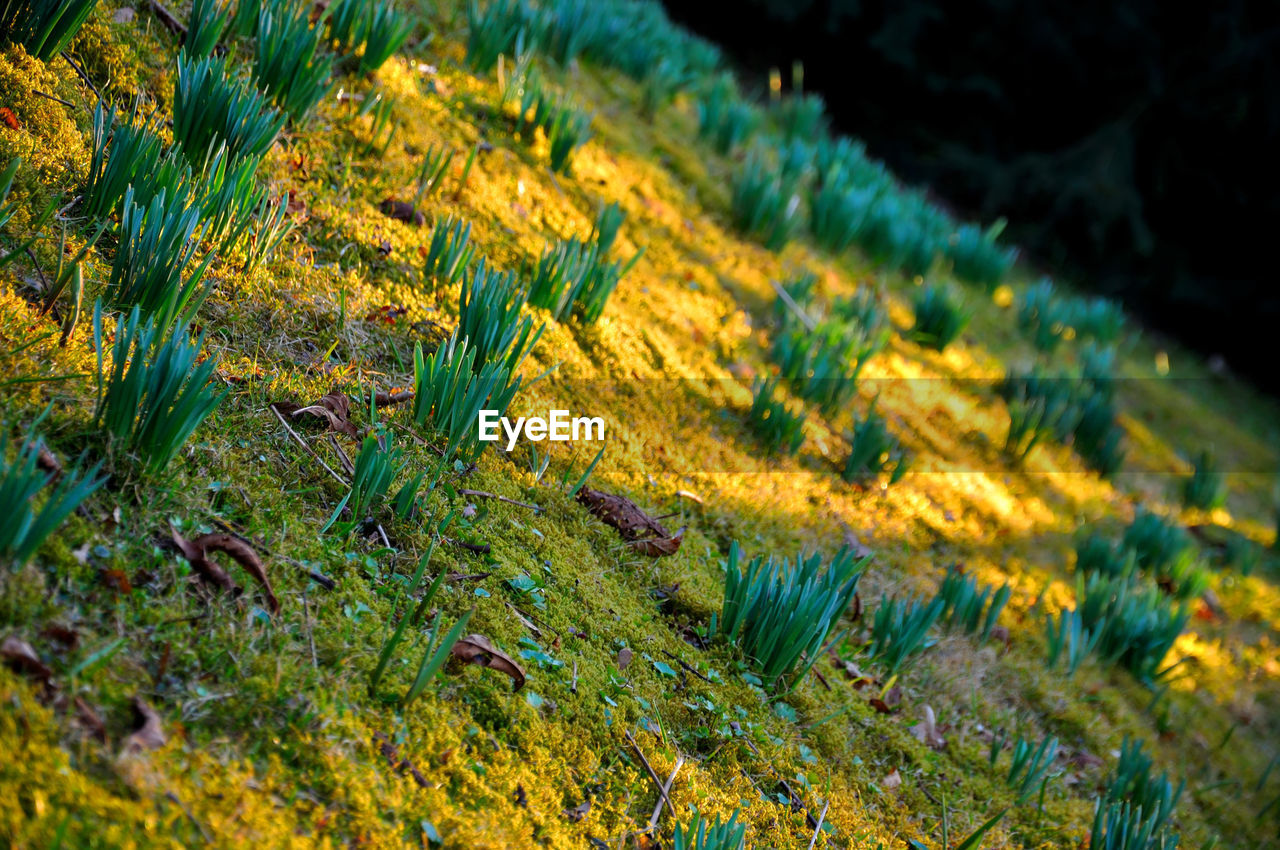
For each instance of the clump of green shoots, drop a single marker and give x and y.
(778, 427)
(435, 164)
(153, 391)
(158, 244)
(387, 31)
(22, 482)
(1043, 317)
(970, 607)
(1165, 552)
(823, 357)
(289, 63)
(703, 834)
(575, 278)
(489, 316)
(724, 118)
(377, 465)
(1134, 782)
(940, 318)
(1067, 640)
(779, 612)
(492, 30)
(873, 450)
(452, 389)
(976, 256)
(212, 108)
(900, 630)
(121, 154)
(208, 19)
(43, 27)
(763, 205)
(1206, 489)
(1134, 627)
(450, 251)
(1029, 767)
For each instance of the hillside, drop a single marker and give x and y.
(156, 693)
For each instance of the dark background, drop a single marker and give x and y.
(1133, 147)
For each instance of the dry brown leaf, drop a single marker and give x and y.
(403, 211)
(624, 658)
(333, 407)
(926, 731)
(656, 547)
(578, 812)
(197, 554)
(649, 536)
(891, 699)
(477, 649)
(148, 733)
(892, 781)
(21, 657)
(857, 676)
(242, 553)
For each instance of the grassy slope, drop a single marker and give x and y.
(271, 733)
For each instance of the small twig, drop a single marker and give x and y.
(821, 678)
(573, 686)
(75, 66)
(792, 305)
(64, 210)
(342, 456)
(311, 638)
(167, 18)
(54, 98)
(478, 548)
(481, 494)
(799, 801)
(690, 669)
(654, 776)
(306, 447)
(383, 534)
(813, 842)
(657, 809)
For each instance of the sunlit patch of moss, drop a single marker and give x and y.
(40, 130)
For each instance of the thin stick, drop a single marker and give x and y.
(814, 841)
(657, 810)
(53, 98)
(656, 781)
(311, 638)
(573, 686)
(58, 215)
(682, 663)
(478, 548)
(481, 494)
(347, 465)
(794, 307)
(307, 448)
(167, 18)
(75, 66)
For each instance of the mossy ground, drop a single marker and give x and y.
(273, 737)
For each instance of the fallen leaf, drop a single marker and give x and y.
(402, 211)
(117, 580)
(888, 702)
(477, 649)
(624, 658)
(333, 407)
(148, 733)
(123, 15)
(578, 812)
(9, 118)
(197, 554)
(857, 676)
(64, 635)
(860, 549)
(656, 547)
(21, 657)
(296, 205)
(926, 731)
(892, 781)
(649, 536)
